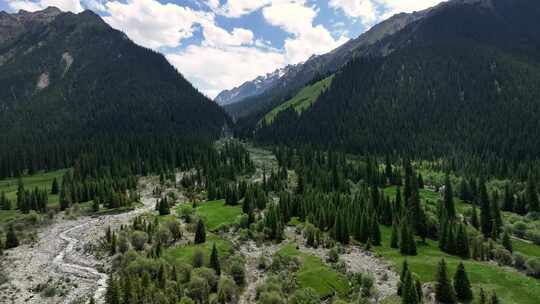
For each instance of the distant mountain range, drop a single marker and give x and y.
(71, 76)
(254, 87)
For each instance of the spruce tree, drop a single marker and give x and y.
(508, 200)
(164, 208)
(483, 297)
(494, 298)
(11, 238)
(112, 295)
(462, 242)
(475, 222)
(444, 291)
(409, 292)
(486, 220)
(506, 241)
(531, 195)
(462, 285)
(375, 232)
(214, 260)
(5, 204)
(403, 275)
(54, 186)
(200, 233)
(449, 199)
(394, 241)
(497, 218)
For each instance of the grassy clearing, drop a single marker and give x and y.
(315, 274)
(216, 213)
(184, 254)
(303, 100)
(40, 180)
(528, 249)
(430, 197)
(511, 286)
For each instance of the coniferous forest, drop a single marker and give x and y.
(413, 178)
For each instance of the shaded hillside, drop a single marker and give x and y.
(74, 76)
(70, 79)
(465, 79)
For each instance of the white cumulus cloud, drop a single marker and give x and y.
(306, 39)
(363, 9)
(31, 6)
(153, 24)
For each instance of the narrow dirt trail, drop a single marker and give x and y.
(59, 258)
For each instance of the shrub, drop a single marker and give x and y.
(197, 260)
(333, 255)
(533, 235)
(503, 257)
(305, 296)
(519, 229)
(519, 260)
(238, 272)
(209, 275)
(533, 267)
(226, 292)
(138, 239)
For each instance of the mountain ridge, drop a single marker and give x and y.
(73, 75)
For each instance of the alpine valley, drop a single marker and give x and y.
(400, 167)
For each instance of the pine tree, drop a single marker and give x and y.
(409, 292)
(375, 232)
(403, 275)
(506, 241)
(483, 297)
(475, 222)
(531, 195)
(496, 217)
(200, 233)
(462, 285)
(5, 204)
(449, 199)
(394, 241)
(508, 200)
(112, 295)
(462, 242)
(54, 186)
(444, 292)
(11, 238)
(486, 220)
(214, 260)
(494, 298)
(164, 208)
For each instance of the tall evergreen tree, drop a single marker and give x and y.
(506, 241)
(531, 195)
(200, 233)
(214, 260)
(394, 240)
(486, 220)
(54, 186)
(444, 291)
(462, 285)
(449, 199)
(11, 238)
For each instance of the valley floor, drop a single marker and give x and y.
(59, 268)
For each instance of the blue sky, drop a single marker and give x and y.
(219, 44)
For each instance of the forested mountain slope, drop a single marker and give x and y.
(465, 79)
(75, 76)
(70, 77)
